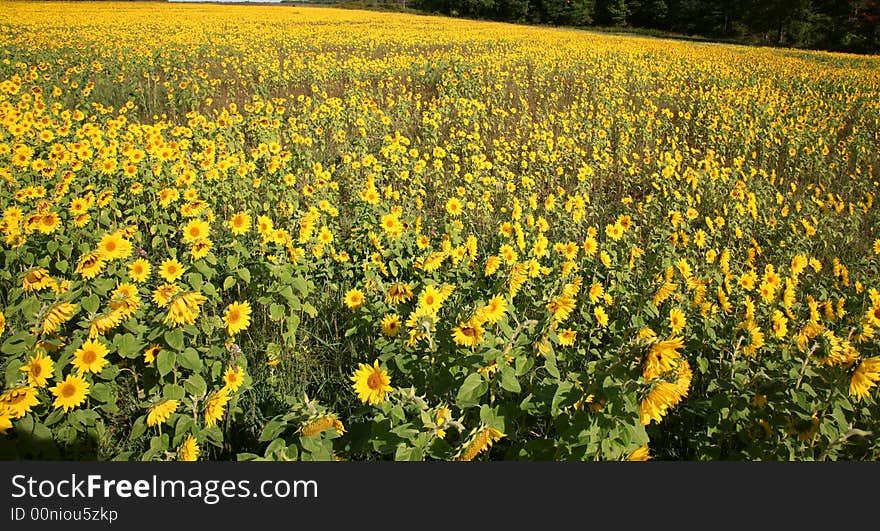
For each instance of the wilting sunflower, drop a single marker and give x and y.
(237, 318)
(642, 453)
(399, 292)
(19, 401)
(371, 383)
(189, 450)
(215, 406)
(90, 357)
(201, 248)
(322, 424)
(38, 370)
(161, 412)
(36, 280)
(57, 316)
(5, 419)
(483, 439)
(70, 393)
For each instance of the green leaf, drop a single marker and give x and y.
(196, 386)
(18, 343)
(165, 361)
(100, 392)
(509, 380)
(244, 274)
(173, 392)
(13, 372)
(550, 364)
(302, 286)
(139, 428)
(189, 359)
(272, 429)
(174, 339)
(228, 282)
(232, 262)
(471, 390)
(276, 311)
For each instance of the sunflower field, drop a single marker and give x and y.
(293, 233)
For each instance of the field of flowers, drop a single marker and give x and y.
(290, 233)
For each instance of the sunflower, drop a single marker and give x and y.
(233, 378)
(195, 230)
(865, 377)
(171, 270)
(215, 406)
(391, 324)
(469, 333)
(567, 337)
(164, 293)
(189, 450)
(431, 299)
(354, 298)
(160, 412)
(494, 310)
(91, 264)
(114, 246)
(237, 318)
(151, 353)
(371, 383)
(19, 401)
(662, 357)
(677, 320)
(240, 223)
(601, 316)
(48, 222)
(399, 292)
(36, 280)
(139, 270)
(58, 315)
(90, 357)
(38, 370)
(70, 393)
(483, 439)
(642, 453)
(2, 323)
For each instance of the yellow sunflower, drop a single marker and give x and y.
(237, 318)
(38, 370)
(371, 383)
(70, 393)
(90, 357)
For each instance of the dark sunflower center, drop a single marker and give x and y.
(374, 381)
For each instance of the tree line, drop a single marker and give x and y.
(836, 25)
